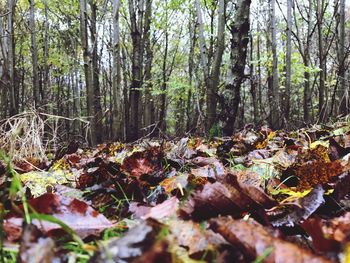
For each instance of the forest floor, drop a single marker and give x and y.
(258, 196)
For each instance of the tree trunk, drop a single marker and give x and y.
(305, 53)
(116, 82)
(286, 101)
(321, 100)
(46, 54)
(275, 97)
(34, 50)
(11, 55)
(136, 19)
(259, 69)
(343, 91)
(231, 96)
(190, 107)
(211, 72)
(126, 91)
(253, 83)
(95, 76)
(87, 69)
(149, 117)
(162, 110)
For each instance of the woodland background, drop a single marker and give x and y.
(121, 70)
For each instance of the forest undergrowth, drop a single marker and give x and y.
(257, 196)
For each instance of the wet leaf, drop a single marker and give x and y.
(74, 213)
(177, 182)
(166, 209)
(291, 212)
(195, 237)
(146, 165)
(318, 172)
(253, 240)
(320, 241)
(218, 199)
(35, 247)
(134, 244)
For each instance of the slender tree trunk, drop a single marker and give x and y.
(162, 112)
(275, 97)
(305, 50)
(321, 100)
(116, 82)
(34, 50)
(87, 69)
(286, 101)
(95, 75)
(211, 72)
(343, 90)
(46, 54)
(76, 95)
(307, 89)
(253, 83)
(11, 55)
(136, 20)
(190, 108)
(149, 117)
(126, 91)
(259, 70)
(4, 76)
(231, 96)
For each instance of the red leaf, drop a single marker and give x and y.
(75, 213)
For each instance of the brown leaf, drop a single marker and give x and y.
(210, 167)
(174, 182)
(317, 172)
(75, 213)
(336, 151)
(146, 165)
(337, 228)
(180, 153)
(192, 236)
(35, 247)
(166, 209)
(250, 183)
(253, 240)
(157, 253)
(289, 214)
(134, 244)
(218, 199)
(321, 243)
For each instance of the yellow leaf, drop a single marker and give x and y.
(317, 143)
(347, 253)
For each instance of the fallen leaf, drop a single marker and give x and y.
(321, 242)
(253, 240)
(251, 184)
(146, 165)
(317, 172)
(180, 153)
(291, 212)
(175, 182)
(157, 253)
(76, 214)
(34, 246)
(166, 209)
(218, 199)
(134, 244)
(195, 237)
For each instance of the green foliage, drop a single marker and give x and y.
(215, 131)
(264, 255)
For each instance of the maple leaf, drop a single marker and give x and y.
(76, 214)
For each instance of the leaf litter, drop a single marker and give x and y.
(260, 195)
